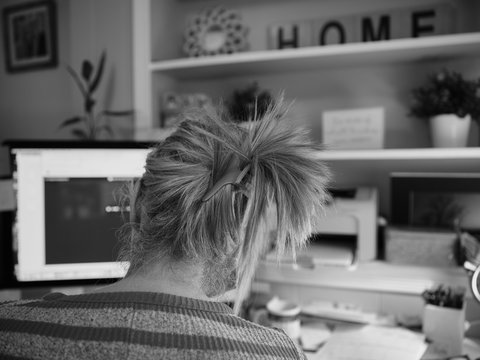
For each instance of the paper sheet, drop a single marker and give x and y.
(313, 335)
(372, 343)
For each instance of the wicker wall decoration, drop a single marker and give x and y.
(215, 31)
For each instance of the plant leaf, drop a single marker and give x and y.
(89, 104)
(98, 75)
(80, 133)
(107, 129)
(77, 80)
(87, 70)
(118, 113)
(70, 121)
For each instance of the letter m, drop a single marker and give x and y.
(381, 33)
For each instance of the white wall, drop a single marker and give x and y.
(97, 25)
(34, 103)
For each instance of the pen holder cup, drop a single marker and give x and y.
(444, 327)
(284, 315)
(280, 314)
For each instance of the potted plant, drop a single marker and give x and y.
(91, 124)
(450, 102)
(249, 103)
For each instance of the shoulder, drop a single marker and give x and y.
(270, 340)
(14, 309)
(6, 304)
(9, 306)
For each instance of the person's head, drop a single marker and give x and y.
(206, 192)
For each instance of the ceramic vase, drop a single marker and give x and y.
(449, 130)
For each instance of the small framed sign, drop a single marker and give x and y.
(353, 128)
(30, 36)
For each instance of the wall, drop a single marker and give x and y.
(27, 109)
(97, 25)
(34, 103)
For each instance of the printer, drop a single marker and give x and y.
(345, 234)
(349, 222)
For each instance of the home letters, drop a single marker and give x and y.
(385, 25)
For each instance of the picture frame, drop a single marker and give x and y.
(436, 200)
(354, 129)
(215, 31)
(30, 36)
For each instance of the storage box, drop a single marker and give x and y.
(422, 247)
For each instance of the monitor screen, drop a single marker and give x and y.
(69, 210)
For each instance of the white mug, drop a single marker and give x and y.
(284, 315)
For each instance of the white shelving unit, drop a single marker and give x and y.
(159, 71)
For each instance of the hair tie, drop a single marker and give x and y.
(233, 176)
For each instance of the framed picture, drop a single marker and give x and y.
(30, 36)
(362, 128)
(215, 31)
(436, 200)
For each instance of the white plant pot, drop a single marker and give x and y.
(444, 328)
(449, 130)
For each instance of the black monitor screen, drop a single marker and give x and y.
(82, 217)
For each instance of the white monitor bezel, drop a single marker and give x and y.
(31, 167)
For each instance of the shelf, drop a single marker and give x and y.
(402, 154)
(309, 58)
(377, 276)
(468, 153)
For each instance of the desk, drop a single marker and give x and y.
(359, 342)
(471, 346)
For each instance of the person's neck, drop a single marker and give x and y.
(182, 280)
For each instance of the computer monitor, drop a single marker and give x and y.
(69, 208)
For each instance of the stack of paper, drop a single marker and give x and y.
(339, 312)
(372, 343)
(313, 335)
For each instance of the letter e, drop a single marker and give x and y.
(419, 28)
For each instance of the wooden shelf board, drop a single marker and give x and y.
(377, 276)
(309, 58)
(402, 154)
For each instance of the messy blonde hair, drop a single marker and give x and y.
(182, 207)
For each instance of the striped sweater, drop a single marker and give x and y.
(134, 325)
